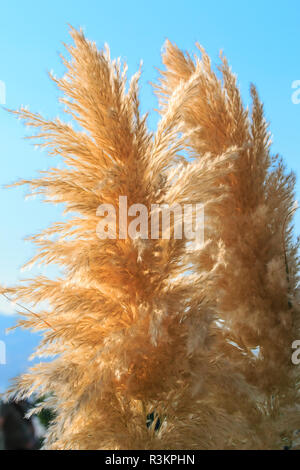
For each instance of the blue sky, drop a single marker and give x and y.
(260, 39)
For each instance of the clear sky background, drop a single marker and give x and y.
(261, 39)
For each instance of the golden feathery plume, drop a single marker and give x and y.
(254, 291)
(153, 336)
